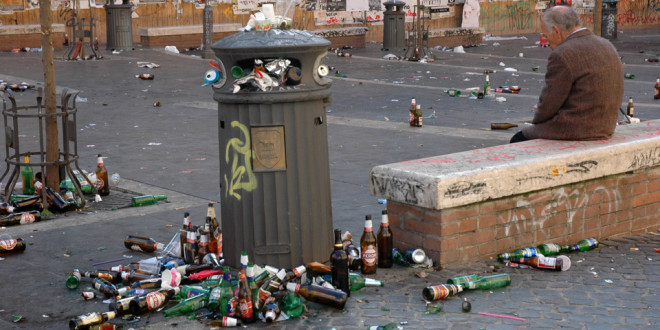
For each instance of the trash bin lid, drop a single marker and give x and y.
(274, 40)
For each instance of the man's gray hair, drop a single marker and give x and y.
(564, 18)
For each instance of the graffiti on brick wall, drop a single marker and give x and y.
(527, 217)
(638, 12)
(510, 17)
(464, 188)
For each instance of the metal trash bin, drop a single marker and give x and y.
(274, 165)
(608, 25)
(119, 26)
(394, 19)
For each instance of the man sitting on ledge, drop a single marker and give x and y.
(583, 84)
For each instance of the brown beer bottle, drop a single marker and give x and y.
(385, 244)
(339, 261)
(656, 94)
(28, 204)
(245, 302)
(87, 320)
(203, 246)
(143, 244)
(152, 300)
(368, 246)
(215, 233)
(319, 294)
(631, 108)
(318, 268)
(502, 125)
(20, 218)
(102, 184)
(11, 246)
(413, 108)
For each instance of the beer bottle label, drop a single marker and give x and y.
(549, 263)
(155, 300)
(245, 306)
(136, 247)
(440, 292)
(8, 244)
(369, 255)
(99, 183)
(88, 318)
(27, 218)
(105, 276)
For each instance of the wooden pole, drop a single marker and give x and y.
(598, 17)
(52, 175)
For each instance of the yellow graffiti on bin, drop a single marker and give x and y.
(239, 172)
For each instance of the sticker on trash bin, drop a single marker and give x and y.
(268, 148)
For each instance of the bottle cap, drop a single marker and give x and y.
(565, 262)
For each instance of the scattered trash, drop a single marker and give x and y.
(157, 105)
(81, 99)
(495, 44)
(492, 38)
(459, 49)
(634, 249)
(145, 76)
(391, 57)
(149, 65)
(629, 76)
(503, 316)
(609, 281)
(500, 99)
(18, 318)
(502, 64)
(172, 49)
(154, 143)
(495, 126)
(510, 69)
(433, 308)
(384, 202)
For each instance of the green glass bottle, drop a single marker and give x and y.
(188, 291)
(73, 281)
(520, 253)
(147, 200)
(252, 284)
(552, 249)
(226, 292)
(490, 282)
(187, 306)
(454, 92)
(463, 280)
(585, 245)
(27, 175)
(358, 282)
(291, 305)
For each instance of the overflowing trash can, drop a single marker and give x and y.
(394, 28)
(119, 26)
(608, 25)
(274, 165)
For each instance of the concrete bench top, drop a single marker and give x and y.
(477, 175)
(186, 29)
(28, 29)
(455, 31)
(343, 31)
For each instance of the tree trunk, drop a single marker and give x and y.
(52, 175)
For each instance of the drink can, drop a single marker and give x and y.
(416, 256)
